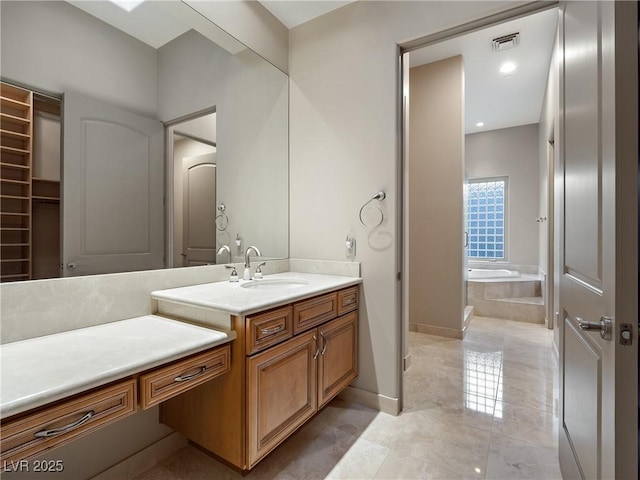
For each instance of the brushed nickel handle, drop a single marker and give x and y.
(272, 330)
(67, 428)
(184, 378)
(315, 340)
(605, 325)
(324, 343)
(349, 301)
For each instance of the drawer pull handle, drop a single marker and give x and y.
(184, 378)
(315, 340)
(57, 431)
(324, 344)
(349, 301)
(272, 330)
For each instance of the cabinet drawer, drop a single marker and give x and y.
(67, 421)
(309, 313)
(347, 300)
(267, 329)
(178, 377)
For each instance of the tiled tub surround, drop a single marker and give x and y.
(517, 297)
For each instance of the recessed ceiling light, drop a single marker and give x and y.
(480, 124)
(127, 5)
(507, 68)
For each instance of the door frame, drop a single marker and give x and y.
(403, 262)
(169, 170)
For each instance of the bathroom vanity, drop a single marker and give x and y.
(57, 388)
(236, 367)
(296, 348)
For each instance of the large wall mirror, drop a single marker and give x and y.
(172, 140)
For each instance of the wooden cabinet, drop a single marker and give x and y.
(281, 393)
(165, 382)
(338, 359)
(66, 421)
(287, 363)
(33, 432)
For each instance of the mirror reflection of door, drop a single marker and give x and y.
(199, 209)
(193, 153)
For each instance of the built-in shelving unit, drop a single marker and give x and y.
(16, 118)
(29, 202)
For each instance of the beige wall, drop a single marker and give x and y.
(512, 152)
(435, 197)
(343, 71)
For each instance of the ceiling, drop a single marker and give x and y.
(492, 98)
(295, 12)
(497, 100)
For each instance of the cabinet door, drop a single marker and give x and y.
(338, 360)
(281, 393)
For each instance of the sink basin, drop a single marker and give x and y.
(275, 284)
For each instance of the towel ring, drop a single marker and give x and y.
(224, 220)
(378, 196)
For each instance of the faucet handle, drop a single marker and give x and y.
(234, 274)
(258, 273)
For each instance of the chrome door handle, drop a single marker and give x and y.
(605, 325)
(466, 239)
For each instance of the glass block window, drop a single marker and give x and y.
(486, 207)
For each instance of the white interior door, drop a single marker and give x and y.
(598, 253)
(199, 209)
(113, 173)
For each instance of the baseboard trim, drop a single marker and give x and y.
(439, 331)
(145, 459)
(372, 400)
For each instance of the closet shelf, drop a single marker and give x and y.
(14, 244)
(14, 260)
(15, 214)
(45, 180)
(14, 135)
(14, 182)
(14, 276)
(14, 229)
(12, 119)
(41, 198)
(15, 104)
(14, 165)
(14, 197)
(16, 151)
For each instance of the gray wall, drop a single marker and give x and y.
(512, 152)
(251, 101)
(55, 47)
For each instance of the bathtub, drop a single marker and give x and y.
(486, 273)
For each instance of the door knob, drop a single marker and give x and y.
(605, 325)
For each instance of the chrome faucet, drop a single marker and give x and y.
(247, 261)
(225, 248)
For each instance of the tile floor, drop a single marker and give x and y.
(485, 407)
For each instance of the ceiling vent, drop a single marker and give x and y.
(505, 42)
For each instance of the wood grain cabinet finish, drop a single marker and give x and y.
(348, 300)
(165, 382)
(338, 359)
(278, 379)
(59, 424)
(310, 313)
(269, 328)
(281, 393)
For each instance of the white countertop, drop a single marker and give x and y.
(233, 298)
(45, 369)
